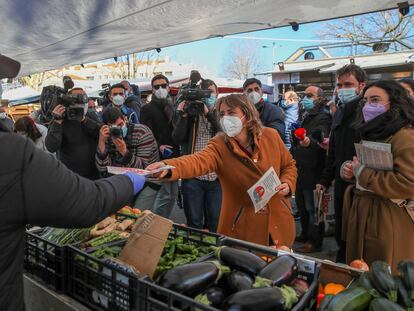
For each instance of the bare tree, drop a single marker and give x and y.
(142, 59)
(243, 60)
(379, 26)
(34, 81)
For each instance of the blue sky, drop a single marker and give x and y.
(200, 52)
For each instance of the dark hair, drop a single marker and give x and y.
(27, 125)
(111, 114)
(401, 105)
(207, 83)
(251, 81)
(116, 86)
(408, 81)
(159, 77)
(354, 70)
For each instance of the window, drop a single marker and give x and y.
(168, 73)
(90, 77)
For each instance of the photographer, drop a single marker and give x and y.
(74, 141)
(201, 195)
(117, 97)
(158, 116)
(126, 144)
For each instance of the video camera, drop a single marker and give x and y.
(193, 93)
(53, 95)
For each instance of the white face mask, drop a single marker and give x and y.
(161, 93)
(118, 100)
(232, 126)
(3, 115)
(254, 97)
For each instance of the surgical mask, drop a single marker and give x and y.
(118, 100)
(283, 104)
(126, 93)
(308, 103)
(232, 126)
(372, 110)
(161, 93)
(210, 101)
(347, 95)
(124, 130)
(254, 97)
(3, 115)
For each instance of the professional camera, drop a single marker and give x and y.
(53, 95)
(193, 93)
(115, 131)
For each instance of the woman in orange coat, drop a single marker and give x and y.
(240, 156)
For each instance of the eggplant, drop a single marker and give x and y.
(282, 270)
(240, 260)
(383, 304)
(365, 282)
(403, 298)
(383, 281)
(237, 281)
(406, 268)
(261, 299)
(214, 296)
(192, 279)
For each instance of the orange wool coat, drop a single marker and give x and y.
(237, 173)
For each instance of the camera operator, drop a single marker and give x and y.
(126, 144)
(74, 141)
(270, 114)
(158, 116)
(117, 97)
(131, 100)
(201, 195)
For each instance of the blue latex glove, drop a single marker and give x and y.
(138, 181)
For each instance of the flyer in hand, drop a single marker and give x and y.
(121, 170)
(262, 191)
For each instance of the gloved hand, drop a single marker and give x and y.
(138, 181)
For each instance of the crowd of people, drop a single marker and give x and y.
(225, 149)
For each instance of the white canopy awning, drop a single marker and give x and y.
(50, 34)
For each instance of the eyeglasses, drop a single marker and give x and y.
(164, 86)
(118, 94)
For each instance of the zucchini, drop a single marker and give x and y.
(383, 281)
(261, 299)
(282, 270)
(351, 299)
(406, 268)
(240, 260)
(365, 282)
(383, 304)
(326, 302)
(403, 299)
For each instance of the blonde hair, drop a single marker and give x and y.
(291, 95)
(253, 123)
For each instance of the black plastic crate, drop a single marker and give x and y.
(101, 286)
(45, 260)
(156, 298)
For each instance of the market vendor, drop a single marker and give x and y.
(35, 188)
(379, 213)
(240, 156)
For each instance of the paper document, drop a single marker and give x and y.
(121, 170)
(377, 156)
(264, 189)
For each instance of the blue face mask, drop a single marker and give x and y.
(347, 95)
(210, 101)
(307, 103)
(283, 104)
(124, 130)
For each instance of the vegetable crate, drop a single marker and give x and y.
(157, 298)
(45, 260)
(103, 286)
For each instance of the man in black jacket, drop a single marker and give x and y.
(270, 114)
(35, 188)
(350, 82)
(158, 116)
(310, 160)
(74, 142)
(201, 195)
(131, 100)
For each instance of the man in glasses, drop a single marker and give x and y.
(117, 97)
(158, 116)
(74, 142)
(270, 114)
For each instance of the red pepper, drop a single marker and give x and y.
(319, 299)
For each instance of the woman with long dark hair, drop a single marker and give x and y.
(36, 132)
(379, 222)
